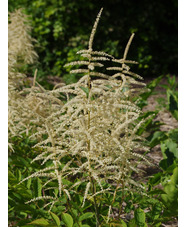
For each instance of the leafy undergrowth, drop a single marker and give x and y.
(161, 206)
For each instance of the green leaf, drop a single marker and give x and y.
(132, 223)
(12, 178)
(86, 90)
(174, 177)
(61, 208)
(173, 147)
(86, 216)
(157, 192)
(163, 164)
(148, 122)
(150, 86)
(39, 188)
(155, 179)
(172, 103)
(28, 184)
(169, 150)
(158, 136)
(139, 215)
(40, 222)
(163, 149)
(170, 199)
(157, 224)
(173, 135)
(18, 174)
(156, 211)
(67, 218)
(55, 218)
(67, 182)
(24, 161)
(123, 224)
(10, 209)
(171, 168)
(74, 212)
(49, 11)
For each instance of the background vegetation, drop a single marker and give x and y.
(61, 28)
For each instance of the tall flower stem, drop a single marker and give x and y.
(88, 146)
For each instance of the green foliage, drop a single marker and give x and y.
(39, 222)
(18, 194)
(86, 216)
(170, 199)
(123, 224)
(168, 177)
(79, 205)
(169, 146)
(68, 220)
(151, 86)
(171, 103)
(139, 215)
(55, 24)
(55, 218)
(157, 137)
(172, 97)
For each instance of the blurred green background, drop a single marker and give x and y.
(62, 27)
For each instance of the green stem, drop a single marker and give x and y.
(122, 199)
(95, 204)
